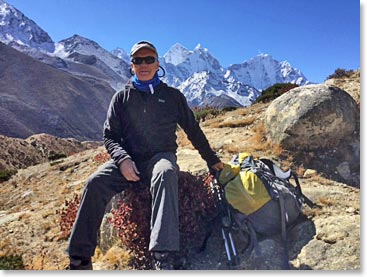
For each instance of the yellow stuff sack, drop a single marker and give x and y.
(246, 192)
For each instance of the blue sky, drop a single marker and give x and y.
(315, 36)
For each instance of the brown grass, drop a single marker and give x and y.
(255, 143)
(117, 257)
(182, 139)
(326, 201)
(235, 123)
(300, 170)
(321, 180)
(310, 213)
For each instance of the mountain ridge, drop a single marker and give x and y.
(180, 63)
(47, 100)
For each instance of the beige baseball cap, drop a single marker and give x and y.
(142, 44)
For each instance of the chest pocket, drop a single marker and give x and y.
(165, 111)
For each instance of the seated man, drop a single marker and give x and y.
(140, 136)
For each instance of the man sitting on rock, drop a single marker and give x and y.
(140, 136)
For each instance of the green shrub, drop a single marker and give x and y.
(207, 112)
(340, 73)
(274, 91)
(56, 156)
(12, 262)
(229, 109)
(6, 174)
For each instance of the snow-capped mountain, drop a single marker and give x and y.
(77, 55)
(201, 87)
(186, 62)
(263, 71)
(20, 32)
(121, 54)
(201, 78)
(195, 72)
(83, 50)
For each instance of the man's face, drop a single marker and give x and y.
(145, 71)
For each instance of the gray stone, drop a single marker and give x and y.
(310, 117)
(344, 170)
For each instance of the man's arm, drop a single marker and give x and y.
(112, 138)
(112, 131)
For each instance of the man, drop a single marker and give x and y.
(140, 136)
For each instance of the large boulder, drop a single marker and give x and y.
(311, 117)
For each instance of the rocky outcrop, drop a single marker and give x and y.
(311, 117)
(21, 153)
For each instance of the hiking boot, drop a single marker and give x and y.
(80, 264)
(162, 261)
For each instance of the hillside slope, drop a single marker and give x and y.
(328, 240)
(37, 98)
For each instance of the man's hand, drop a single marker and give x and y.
(129, 171)
(218, 166)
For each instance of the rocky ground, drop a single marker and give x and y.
(29, 223)
(329, 239)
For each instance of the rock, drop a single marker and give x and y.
(332, 232)
(344, 170)
(309, 173)
(310, 117)
(108, 234)
(4, 218)
(270, 256)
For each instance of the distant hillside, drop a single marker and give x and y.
(37, 98)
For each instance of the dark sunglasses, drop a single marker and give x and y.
(147, 60)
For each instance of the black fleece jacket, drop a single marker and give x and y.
(140, 124)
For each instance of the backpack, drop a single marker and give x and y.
(262, 200)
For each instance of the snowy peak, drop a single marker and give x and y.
(202, 88)
(79, 44)
(263, 71)
(121, 54)
(197, 60)
(20, 32)
(176, 54)
(80, 50)
(197, 73)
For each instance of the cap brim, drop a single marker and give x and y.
(139, 47)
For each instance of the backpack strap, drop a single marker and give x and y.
(283, 217)
(275, 169)
(305, 199)
(218, 192)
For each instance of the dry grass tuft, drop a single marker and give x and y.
(321, 180)
(182, 139)
(326, 201)
(310, 213)
(117, 258)
(235, 123)
(300, 171)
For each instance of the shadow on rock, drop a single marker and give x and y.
(269, 256)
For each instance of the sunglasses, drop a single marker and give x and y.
(147, 60)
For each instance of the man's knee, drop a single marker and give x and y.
(165, 167)
(100, 184)
(93, 183)
(165, 163)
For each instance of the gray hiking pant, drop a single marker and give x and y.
(161, 171)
